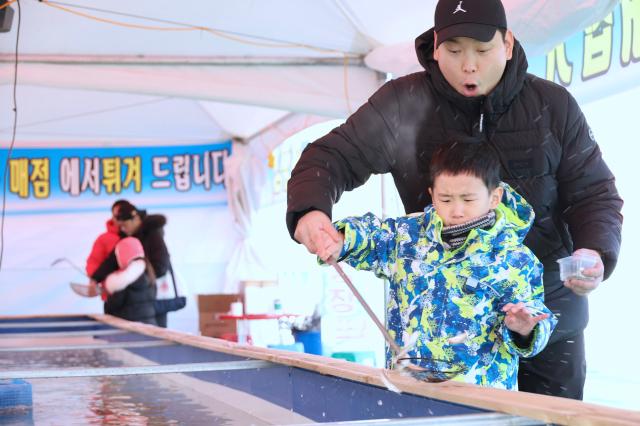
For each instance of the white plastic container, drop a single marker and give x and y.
(236, 309)
(572, 266)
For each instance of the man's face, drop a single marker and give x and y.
(461, 198)
(472, 67)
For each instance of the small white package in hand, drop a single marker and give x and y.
(572, 266)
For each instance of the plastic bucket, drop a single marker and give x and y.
(312, 341)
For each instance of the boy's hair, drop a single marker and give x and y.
(471, 158)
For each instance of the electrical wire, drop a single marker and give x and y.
(89, 113)
(13, 135)
(230, 35)
(220, 33)
(184, 27)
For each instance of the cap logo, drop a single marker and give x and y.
(459, 9)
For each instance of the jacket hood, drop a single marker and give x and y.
(514, 218)
(516, 212)
(500, 97)
(112, 227)
(152, 222)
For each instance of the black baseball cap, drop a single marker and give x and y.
(477, 19)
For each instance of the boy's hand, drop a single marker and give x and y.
(519, 320)
(332, 248)
(317, 234)
(584, 287)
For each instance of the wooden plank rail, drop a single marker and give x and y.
(548, 409)
(541, 407)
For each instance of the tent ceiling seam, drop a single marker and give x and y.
(184, 61)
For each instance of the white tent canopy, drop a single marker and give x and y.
(321, 57)
(164, 72)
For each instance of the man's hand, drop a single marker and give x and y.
(584, 287)
(519, 320)
(317, 234)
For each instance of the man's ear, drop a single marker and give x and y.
(496, 196)
(435, 46)
(509, 41)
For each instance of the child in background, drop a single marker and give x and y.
(131, 290)
(461, 280)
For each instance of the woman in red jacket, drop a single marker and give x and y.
(106, 242)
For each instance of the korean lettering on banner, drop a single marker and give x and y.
(100, 172)
(37, 176)
(91, 175)
(617, 32)
(189, 169)
(112, 175)
(29, 175)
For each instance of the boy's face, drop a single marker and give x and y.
(472, 67)
(461, 198)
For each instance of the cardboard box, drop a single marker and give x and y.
(258, 298)
(217, 302)
(218, 328)
(211, 304)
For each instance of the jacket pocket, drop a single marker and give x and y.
(471, 284)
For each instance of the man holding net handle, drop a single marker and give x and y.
(475, 84)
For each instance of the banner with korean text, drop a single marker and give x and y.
(600, 61)
(49, 180)
(57, 200)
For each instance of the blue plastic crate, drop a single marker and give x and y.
(15, 393)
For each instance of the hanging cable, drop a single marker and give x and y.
(220, 33)
(5, 180)
(89, 113)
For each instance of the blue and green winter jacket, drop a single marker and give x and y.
(443, 294)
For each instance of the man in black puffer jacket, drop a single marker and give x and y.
(475, 87)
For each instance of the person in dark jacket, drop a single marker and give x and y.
(131, 290)
(149, 229)
(476, 84)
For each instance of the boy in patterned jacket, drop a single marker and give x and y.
(461, 280)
